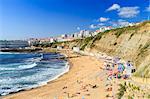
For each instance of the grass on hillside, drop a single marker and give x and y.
(144, 48)
(85, 42)
(143, 71)
(98, 37)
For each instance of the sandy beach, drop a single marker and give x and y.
(82, 81)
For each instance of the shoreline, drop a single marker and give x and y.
(66, 69)
(28, 93)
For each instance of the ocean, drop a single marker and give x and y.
(23, 71)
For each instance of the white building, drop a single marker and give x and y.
(52, 40)
(82, 34)
(64, 35)
(87, 33)
(102, 29)
(76, 49)
(59, 47)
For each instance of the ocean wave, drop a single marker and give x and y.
(9, 53)
(23, 76)
(33, 59)
(27, 66)
(20, 67)
(38, 78)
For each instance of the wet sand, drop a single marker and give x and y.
(82, 81)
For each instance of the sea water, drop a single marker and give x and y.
(22, 71)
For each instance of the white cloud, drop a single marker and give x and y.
(114, 7)
(123, 22)
(125, 12)
(128, 12)
(101, 24)
(148, 8)
(120, 22)
(92, 26)
(103, 19)
(78, 28)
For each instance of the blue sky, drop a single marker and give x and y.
(21, 19)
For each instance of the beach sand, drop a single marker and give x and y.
(81, 82)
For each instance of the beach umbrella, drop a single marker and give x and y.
(121, 67)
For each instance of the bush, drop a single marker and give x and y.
(121, 90)
(119, 32)
(85, 42)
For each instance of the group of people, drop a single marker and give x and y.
(118, 69)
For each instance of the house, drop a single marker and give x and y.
(59, 47)
(76, 49)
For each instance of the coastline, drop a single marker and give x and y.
(61, 82)
(66, 69)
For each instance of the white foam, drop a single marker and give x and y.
(65, 70)
(27, 66)
(10, 53)
(20, 67)
(33, 77)
(40, 78)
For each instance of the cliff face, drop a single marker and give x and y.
(129, 43)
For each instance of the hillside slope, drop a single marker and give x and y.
(129, 43)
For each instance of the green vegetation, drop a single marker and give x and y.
(130, 97)
(144, 48)
(98, 37)
(48, 44)
(85, 42)
(131, 90)
(89, 41)
(121, 90)
(42, 45)
(144, 23)
(119, 31)
(143, 71)
(140, 46)
(130, 28)
(124, 87)
(148, 96)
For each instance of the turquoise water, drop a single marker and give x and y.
(21, 71)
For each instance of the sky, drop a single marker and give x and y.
(22, 19)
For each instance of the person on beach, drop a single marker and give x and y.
(129, 68)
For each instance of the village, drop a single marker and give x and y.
(77, 35)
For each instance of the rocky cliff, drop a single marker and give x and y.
(130, 43)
